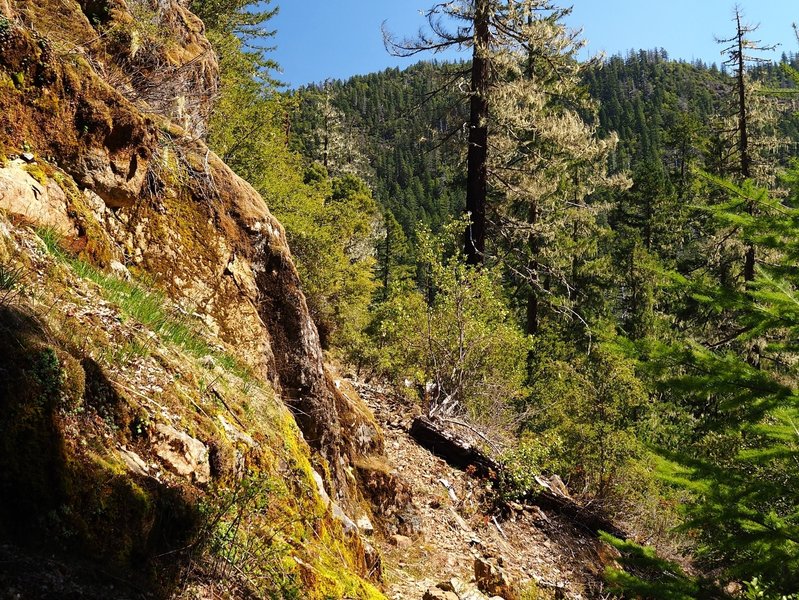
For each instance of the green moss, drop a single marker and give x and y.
(6, 83)
(73, 383)
(337, 563)
(95, 245)
(18, 79)
(47, 374)
(35, 170)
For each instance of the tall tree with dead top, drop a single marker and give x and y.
(473, 21)
(738, 54)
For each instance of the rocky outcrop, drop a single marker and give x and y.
(41, 202)
(184, 454)
(168, 205)
(103, 107)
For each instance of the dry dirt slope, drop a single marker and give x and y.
(544, 555)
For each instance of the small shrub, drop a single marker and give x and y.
(756, 589)
(644, 574)
(244, 538)
(534, 455)
(459, 335)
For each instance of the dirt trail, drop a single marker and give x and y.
(538, 551)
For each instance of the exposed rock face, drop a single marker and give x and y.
(168, 204)
(184, 454)
(132, 189)
(43, 204)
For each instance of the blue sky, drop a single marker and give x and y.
(319, 39)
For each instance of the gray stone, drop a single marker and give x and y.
(134, 462)
(120, 270)
(234, 434)
(365, 525)
(348, 524)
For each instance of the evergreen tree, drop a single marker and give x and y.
(482, 20)
(738, 381)
(545, 159)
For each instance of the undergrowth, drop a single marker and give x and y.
(10, 283)
(245, 537)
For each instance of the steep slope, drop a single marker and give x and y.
(471, 544)
(153, 332)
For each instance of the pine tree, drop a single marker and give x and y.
(739, 382)
(545, 159)
(481, 18)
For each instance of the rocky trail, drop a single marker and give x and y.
(467, 550)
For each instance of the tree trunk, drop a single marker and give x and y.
(533, 308)
(532, 297)
(459, 453)
(743, 143)
(477, 174)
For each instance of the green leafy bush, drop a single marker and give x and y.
(643, 574)
(460, 336)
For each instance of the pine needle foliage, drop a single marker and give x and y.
(738, 379)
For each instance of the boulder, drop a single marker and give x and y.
(491, 579)
(42, 204)
(118, 178)
(400, 541)
(439, 594)
(182, 453)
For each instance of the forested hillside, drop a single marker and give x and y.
(627, 324)
(396, 128)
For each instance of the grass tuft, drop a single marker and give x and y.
(10, 283)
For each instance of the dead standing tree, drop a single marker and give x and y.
(738, 57)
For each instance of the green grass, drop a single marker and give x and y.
(10, 283)
(150, 308)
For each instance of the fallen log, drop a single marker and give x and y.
(457, 451)
(461, 454)
(584, 516)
